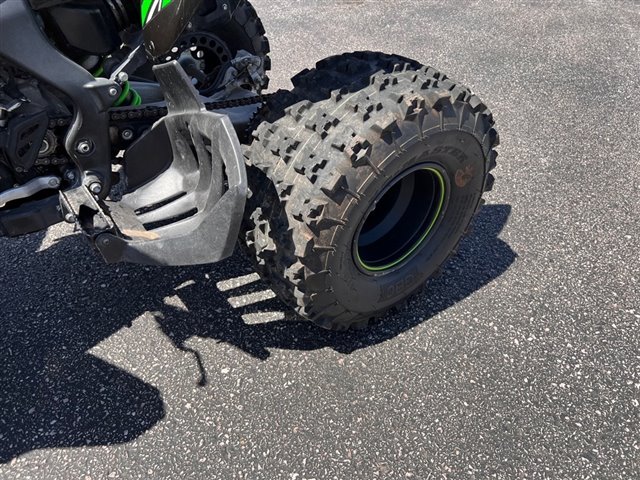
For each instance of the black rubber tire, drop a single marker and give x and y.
(317, 168)
(244, 31)
(352, 71)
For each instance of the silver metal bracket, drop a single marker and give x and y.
(29, 189)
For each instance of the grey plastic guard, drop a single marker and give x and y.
(190, 213)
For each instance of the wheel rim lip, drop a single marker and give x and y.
(439, 198)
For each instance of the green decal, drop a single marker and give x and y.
(151, 7)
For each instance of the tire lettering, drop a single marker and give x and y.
(399, 287)
(453, 151)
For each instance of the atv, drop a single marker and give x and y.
(146, 124)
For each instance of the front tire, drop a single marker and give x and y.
(371, 191)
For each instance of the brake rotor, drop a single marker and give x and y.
(207, 51)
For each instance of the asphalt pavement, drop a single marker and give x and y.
(521, 361)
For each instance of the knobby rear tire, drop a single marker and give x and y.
(316, 167)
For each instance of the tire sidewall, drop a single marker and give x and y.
(459, 157)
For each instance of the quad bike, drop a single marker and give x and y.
(144, 123)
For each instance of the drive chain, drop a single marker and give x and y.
(153, 113)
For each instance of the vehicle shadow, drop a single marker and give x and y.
(61, 301)
(54, 308)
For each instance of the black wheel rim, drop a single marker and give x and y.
(401, 220)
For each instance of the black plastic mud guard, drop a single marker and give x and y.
(190, 213)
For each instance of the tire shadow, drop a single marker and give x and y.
(482, 257)
(60, 301)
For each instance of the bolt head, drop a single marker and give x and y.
(70, 218)
(84, 147)
(113, 91)
(127, 134)
(95, 188)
